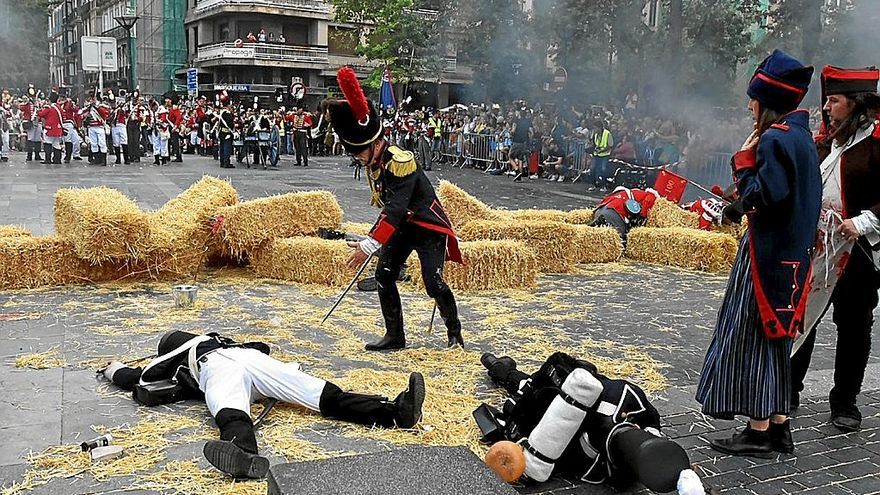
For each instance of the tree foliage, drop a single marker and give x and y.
(24, 58)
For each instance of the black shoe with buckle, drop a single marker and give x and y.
(748, 442)
(232, 460)
(780, 437)
(408, 405)
(846, 418)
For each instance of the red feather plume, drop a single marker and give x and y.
(351, 88)
(717, 191)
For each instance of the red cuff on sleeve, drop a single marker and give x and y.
(383, 231)
(744, 159)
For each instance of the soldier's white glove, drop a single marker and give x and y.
(112, 368)
(369, 245)
(689, 483)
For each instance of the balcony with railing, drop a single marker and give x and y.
(306, 8)
(261, 54)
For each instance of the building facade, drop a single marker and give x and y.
(259, 47)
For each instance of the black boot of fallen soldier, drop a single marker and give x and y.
(234, 461)
(389, 342)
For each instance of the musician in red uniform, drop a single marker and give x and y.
(302, 124)
(174, 120)
(53, 122)
(624, 208)
(29, 124)
(119, 130)
(95, 114)
(72, 123)
(161, 136)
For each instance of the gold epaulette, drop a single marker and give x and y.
(402, 162)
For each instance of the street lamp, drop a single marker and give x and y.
(127, 22)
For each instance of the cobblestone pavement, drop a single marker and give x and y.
(670, 317)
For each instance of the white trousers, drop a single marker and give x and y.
(234, 378)
(119, 134)
(160, 146)
(73, 137)
(5, 139)
(98, 139)
(56, 142)
(35, 133)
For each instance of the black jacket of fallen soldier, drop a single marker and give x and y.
(175, 367)
(586, 456)
(406, 196)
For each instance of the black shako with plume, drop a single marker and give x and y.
(354, 119)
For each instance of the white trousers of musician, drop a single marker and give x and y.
(35, 133)
(72, 138)
(4, 138)
(160, 146)
(235, 378)
(119, 133)
(57, 143)
(98, 139)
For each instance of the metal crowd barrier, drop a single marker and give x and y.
(577, 159)
(450, 148)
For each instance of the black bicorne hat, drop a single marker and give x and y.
(354, 119)
(654, 461)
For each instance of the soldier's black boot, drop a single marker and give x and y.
(155, 159)
(56, 156)
(408, 405)
(125, 155)
(236, 452)
(389, 342)
(37, 156)
(116, 151)
(30, 151)
(449, 312)
(47, 154)
(389, 300)
(68, 152)
(404, 411)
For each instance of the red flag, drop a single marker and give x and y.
(670, 185)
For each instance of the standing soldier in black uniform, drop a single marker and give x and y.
(412, 218)
(223, 130)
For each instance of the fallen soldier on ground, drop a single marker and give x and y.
(569, 419)
(230, 376)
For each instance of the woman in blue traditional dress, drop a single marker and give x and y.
(747, 368)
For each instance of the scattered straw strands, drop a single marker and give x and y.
(665, 213)
(101, 223)
(596, 244)
(682, 247)
(187, 477)
(307, 260)
(40, 361)
(460, 206)
(251, 223)
(553, 242)
(14, 231)
(181, 230)
(488, 265)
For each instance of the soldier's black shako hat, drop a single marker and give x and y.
(354, 119)
(174, 339)
(654, 461)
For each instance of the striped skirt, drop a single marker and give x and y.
(744, 373)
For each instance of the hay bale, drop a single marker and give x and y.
(488, 265)
(580, 216)
(553, 242)
(251, 223)
(29, 262)
(14, 231)
(665, 214)
(535, 215)
(597, 244)
(180, 239)
(683, 247)
(308, 260)
(356, 228)
(460, 206)
(102, 223)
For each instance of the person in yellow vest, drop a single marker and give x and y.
(603, 143)
(435, 130)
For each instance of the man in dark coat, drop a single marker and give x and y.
(845, 267)
(412, 218)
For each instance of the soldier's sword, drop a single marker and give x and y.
(350, 285)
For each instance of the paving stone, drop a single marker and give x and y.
(454, 470)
